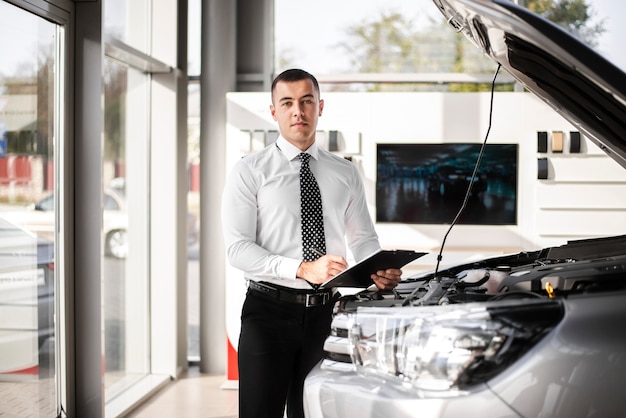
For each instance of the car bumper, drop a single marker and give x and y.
(331, 394)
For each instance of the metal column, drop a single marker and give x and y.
(217, 78)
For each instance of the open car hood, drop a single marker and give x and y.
(580, 84)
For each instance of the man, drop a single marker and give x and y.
(285, 317)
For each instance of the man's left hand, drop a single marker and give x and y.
(387, 279)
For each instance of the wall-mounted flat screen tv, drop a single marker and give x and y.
(427, 183)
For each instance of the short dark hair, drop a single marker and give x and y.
(295, 74)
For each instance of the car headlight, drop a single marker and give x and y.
(446, 347)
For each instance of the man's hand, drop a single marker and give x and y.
(322, 269)
(387, 279)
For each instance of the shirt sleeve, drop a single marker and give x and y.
(361, 235)
(239, 226)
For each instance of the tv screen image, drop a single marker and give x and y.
(427, 183)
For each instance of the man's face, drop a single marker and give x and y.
(296, 107)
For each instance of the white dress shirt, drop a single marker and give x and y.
(261, 212)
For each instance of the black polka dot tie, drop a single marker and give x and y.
(313, 240)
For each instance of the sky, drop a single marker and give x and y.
(307, 28)
(16, 48)
(612, 41)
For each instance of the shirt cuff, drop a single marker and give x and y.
(289, 268)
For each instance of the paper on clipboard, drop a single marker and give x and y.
(359, 274)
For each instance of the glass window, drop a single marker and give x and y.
(378, 36)
(193, 38)
(128, 21)
(375, 37)
(193, 196)
(193, 227)
(28, 123)
(398, 36)
(125, 227)
(138, 107)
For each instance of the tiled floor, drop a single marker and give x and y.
(30, 398)
(194, 395)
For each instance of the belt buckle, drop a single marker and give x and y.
(312, 297)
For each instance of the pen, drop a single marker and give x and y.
(318, 252)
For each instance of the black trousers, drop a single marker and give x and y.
(279, 344)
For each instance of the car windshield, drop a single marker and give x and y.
(110, 203)
(46, 204)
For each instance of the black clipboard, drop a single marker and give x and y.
(359, 274)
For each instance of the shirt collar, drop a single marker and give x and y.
(292, 151)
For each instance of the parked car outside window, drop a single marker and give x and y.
(39, 218)
(26, 304)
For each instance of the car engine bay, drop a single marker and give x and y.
(578, 267)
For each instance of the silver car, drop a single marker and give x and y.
(534, 334)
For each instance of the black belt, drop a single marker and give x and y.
(306, 298)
